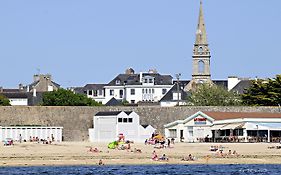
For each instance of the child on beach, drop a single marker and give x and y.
(154, 156)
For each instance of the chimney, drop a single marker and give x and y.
(34, 92)
(140, 77)
(20, 87)
(1, 89)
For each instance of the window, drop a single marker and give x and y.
(176, 96)
(164, 91)
(111, 92)
(200, 50)
(173, 133)
(121, 93)
(190, 131)
(153, 91)
(146, 91)
(133, 101)
(100, 92)
(119, 120)
(90, 92)
(125, 120)
(85, 92)
(117, 82)
(95, 93)
(150, 80)
(143, 91)
(130, 120)
(149, 90)
(145, 80)
(133, 92)
(201, 66)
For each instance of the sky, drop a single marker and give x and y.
(92, 41)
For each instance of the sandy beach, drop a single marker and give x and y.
(77, 153)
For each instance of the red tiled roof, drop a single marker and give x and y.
(235, 115)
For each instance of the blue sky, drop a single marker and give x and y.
(91, 41)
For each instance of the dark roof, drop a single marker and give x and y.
(113, 102)
(235, 115)
(93, 86)
(15, 94)
(112, 113)
(134, 79)
(221, 83)
(169, 95)
(241, 86)
(10, 90)
(108, 113)
(144, 126)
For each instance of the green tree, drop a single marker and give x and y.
(63, 97)
(212, 95)
(4, 101)
(264, 92)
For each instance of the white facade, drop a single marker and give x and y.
(30, 131)
(240, 129)
(107, 127)
(193, 129)
(18, 101)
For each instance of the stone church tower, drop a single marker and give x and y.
(201, 55)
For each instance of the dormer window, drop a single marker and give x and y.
(150, 80)
(117, 82)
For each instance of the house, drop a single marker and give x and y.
(226, 127)
(130, 87)
(32, 94)
(108, 125)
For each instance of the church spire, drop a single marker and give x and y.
(201, 35)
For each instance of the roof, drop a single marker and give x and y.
(113, 102)
(169, 95)
(144, 126)
(134, 79)
(112, 113)
(93, 86)
(15, 94)
(10, 90)
(236, 115)
(201, 35)
(241, 86)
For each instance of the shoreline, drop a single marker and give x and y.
(77, 154)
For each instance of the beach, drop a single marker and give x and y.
(77, 153)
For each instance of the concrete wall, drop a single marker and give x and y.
(77, 120)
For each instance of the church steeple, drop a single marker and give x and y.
(201, 35)
(201, 55)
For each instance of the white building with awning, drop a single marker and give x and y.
(227, 127)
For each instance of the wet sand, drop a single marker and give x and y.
(77, 153)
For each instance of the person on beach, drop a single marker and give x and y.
(101, 162)
(189, 158)
(169, 143)
(20, 138)
(154, 156)
(164, 157)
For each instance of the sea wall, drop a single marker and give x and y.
(77, 120)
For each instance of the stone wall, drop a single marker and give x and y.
(77, 120)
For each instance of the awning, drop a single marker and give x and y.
(217, 127)
(263, 126)
(228, 126)
(234, 126)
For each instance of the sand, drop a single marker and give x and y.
(76, 153)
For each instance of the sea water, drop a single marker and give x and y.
(234, 169)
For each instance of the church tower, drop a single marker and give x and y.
(201, 55)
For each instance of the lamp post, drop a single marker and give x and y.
(178, 88)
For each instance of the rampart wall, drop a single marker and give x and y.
(77, 120)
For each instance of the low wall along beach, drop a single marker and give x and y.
(77, 120)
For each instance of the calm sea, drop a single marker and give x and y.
(146, 169)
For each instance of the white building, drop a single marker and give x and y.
(131, 87)
(108, 125)
(226, 127)
(42, 132)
